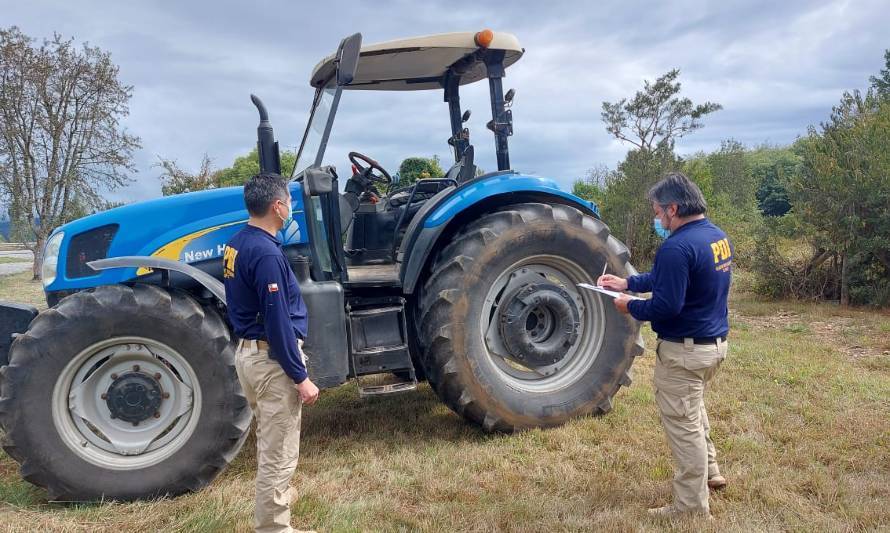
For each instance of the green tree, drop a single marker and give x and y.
(881, 83)
(656, 115)
(772, 168)
(842, 193)
(248, 165)
(414, 168)
(732, 175)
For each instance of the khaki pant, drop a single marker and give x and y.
(276, 405)
(682, 370)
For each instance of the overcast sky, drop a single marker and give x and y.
(776, 66)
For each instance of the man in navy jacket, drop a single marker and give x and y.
(269, 317)
(689, 283)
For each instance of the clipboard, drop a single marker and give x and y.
(607, 292)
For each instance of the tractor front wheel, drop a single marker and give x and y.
(123, 393)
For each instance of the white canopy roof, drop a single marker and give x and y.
(419, 62)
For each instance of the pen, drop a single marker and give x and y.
(604, 269)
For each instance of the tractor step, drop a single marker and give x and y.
(378, 344)
(380, 389)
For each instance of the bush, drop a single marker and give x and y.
(787, 267)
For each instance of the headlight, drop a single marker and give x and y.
(51, 258)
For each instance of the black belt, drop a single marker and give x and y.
(696, 340)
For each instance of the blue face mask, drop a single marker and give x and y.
(287, 220)
(660, 230)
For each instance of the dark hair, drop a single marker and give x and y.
(675, 188)
(262, 190)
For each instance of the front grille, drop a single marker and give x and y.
(88, 246)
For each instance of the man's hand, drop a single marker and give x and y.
(621, 302)
(612, 282)
(308, 391)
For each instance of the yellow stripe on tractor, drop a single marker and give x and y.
(173, 249)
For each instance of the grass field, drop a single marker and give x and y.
(800, 413)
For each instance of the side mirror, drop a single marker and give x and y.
(347, 58)
(466, 116)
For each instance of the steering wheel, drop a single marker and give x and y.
(367, 166)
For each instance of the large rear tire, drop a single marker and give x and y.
(508, 339)
(123, 393)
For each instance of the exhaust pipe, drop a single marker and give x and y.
(267, 146)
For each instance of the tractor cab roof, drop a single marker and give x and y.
(421, 63)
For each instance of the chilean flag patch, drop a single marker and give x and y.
(273, 287)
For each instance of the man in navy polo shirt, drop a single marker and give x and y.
(689, 283)
(268, 314)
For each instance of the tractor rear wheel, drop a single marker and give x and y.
(123, 393)
(509, 340)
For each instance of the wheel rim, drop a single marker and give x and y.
(578, 358)
(126, 402)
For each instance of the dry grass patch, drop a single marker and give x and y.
(22, 289)
(802, 429)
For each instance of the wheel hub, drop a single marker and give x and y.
(538, 323)
(134, 397)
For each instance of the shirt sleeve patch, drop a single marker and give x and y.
(229, 255)
(273, 287)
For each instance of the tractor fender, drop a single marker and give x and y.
(449, 210)
(136, 261)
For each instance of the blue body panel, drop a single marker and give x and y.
(478, 190)
(202, 222)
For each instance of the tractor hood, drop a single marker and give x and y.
(191, 227)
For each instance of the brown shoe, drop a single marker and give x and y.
(717, 482)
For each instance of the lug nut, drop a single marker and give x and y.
(104, 396)
(135, 368)
(157, 414)
(165, 395)
(135, 424)
(157, 375)
(114, 376)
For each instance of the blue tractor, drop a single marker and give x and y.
(125, 387)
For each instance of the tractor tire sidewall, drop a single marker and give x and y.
(38, 358)
(474, 387)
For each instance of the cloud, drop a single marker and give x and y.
(776, 67)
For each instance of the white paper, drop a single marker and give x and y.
(607, 292)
